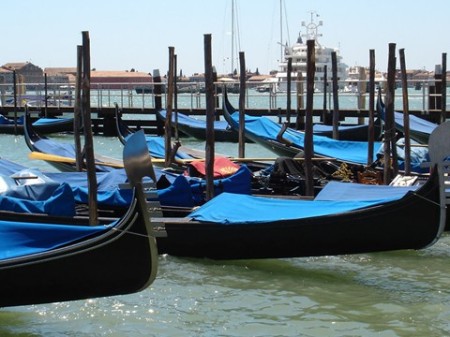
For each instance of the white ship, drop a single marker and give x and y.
(298, 53)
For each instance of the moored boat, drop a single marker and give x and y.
(61, 155)
(195, 127)
(44, 125)
(290, 142)
(247, 227)
(298, 53)
(50, 258)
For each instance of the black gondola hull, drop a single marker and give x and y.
(412, 222)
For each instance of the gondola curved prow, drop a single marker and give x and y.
(123, 131)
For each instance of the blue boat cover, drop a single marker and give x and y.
(354, 152)
(183, 191)
(48, 198)
(347, 151)
(156, 147)
(24, 238)
(49, 146)
(63, 149)
(51, 121)
(337, 190)
(229, 209)
(320, 128)
(40, 122)
(7, 121)
(195, 122)
(415, 123)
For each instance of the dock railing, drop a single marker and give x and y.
(262, 96)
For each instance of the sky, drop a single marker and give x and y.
(137, 34)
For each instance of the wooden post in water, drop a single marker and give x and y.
(45, 95)
(168, 120)
(335, 96)
(325, 114)
(157, 94)
(209, 145)
(242, 105)
(77, 118)
(309, 144)
(288, 93)
(300, 122)
(405, 113)
(175, 97)
(88, 138)
(157, 89)
(361, 92)
(2, 91)
(15, 100)
(389, 135)
(444, 89)
(371, 127)
(216, 96)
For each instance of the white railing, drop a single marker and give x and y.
(191, 96)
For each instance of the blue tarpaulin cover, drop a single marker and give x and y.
(195, 122)
(156, 146)
(336, 190)
(48, 198)
(327, 128)
(343, 150)
(415, 123)
(184, 191)
(349, 151)
(51, 121)
(24, 238)
(231, 209)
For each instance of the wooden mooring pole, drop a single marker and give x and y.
(169, 105)
(88, 137)
(309, 144)
(389, 135)
(405, 112)
(371, 126)
(242, 105)
(335, 96)
(209, 145)
(77, 117)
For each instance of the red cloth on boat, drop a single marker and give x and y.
(223, 167)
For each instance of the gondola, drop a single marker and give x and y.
(156, 144)
(44, 125)
(52, 150)
(357, 132)
(247, 227)
(419, 129)
(50, 258)
(289, 142)
(196, 128)
(176, 193)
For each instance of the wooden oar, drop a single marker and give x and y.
(56, 158)
(62, 159)
(250, 159)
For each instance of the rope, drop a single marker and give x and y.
(427, 199)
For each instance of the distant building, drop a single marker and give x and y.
(61, 75)
(139, 81)
(6, 76)
(26, 73)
